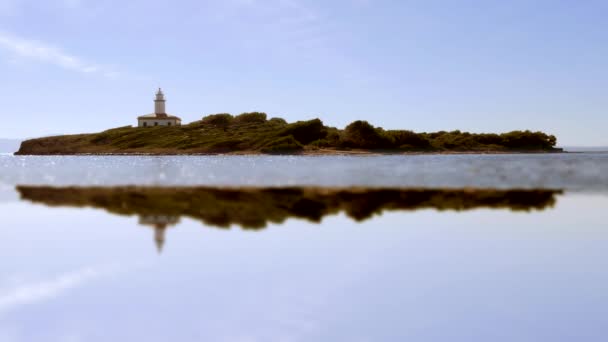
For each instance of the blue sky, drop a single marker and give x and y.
(71, 66)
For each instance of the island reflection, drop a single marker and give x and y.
(254, 208)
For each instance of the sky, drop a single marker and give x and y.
(75, 66)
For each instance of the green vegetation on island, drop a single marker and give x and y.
(255, 133)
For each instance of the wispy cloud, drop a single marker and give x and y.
(30, 293)
(41, 52)
(290, 23)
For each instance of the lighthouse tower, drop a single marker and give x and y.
(160, 116)
(159, 103)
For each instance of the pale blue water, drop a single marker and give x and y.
(575, 172)
(82, 274)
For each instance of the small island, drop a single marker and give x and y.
(254, 133)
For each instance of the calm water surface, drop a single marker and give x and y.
(579, 171)
(76, 264)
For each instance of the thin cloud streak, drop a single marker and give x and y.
(32, 293)
(38, 51)
(288, 23)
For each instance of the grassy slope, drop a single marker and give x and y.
(193, 138)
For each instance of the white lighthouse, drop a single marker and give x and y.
(160, 116)
(159, 102)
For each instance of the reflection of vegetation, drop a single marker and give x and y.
(253, 132)
(253, 208)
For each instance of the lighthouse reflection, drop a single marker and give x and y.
(159, 223)
(162, 208)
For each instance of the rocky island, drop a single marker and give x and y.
(255, 133)
(250, 133)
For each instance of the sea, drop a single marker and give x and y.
(509, 247)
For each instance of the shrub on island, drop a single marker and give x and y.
(361, 134)
(306, 132)
(253, 117)
(222, 120)
(278, 121)
(282, 145)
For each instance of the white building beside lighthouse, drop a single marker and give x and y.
(160, 116)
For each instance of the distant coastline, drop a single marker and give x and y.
(254, 133)
(586, 149)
